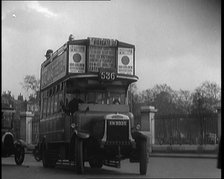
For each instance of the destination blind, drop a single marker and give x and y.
(101, 57)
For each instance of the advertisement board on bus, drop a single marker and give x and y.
(77, 58)
(54, 71)
(125, 61)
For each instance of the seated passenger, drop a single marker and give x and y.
(73, 105)
(116, 101)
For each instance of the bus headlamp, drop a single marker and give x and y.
(138, 127)
(73, 125)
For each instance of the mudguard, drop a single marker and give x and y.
(141, 135)
(5, 134)
(20, 142)
(82, 135)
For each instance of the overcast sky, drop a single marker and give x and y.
(178, 42)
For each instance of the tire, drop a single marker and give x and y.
(36, 154)
(94, 163)
(19, 154)
(143, 163)
(49, 158)
(45, 160)
(79, 162)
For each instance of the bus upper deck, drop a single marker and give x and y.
(106, 60)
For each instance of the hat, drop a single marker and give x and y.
(49, 51)
(71, 37)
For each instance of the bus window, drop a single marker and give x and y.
(58, 88)
(52, 104)
(56, 103)
(82, 96)
(48, 106)
(91, 97)
(45, 107)
(115, 96)
(62, 86)
(41, 104)
(69, 97)
(98, 97)
(60, 98)
(101, 98)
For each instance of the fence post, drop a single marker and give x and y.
(148, 121)
(219, 121)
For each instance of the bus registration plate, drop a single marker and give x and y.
(118, 123)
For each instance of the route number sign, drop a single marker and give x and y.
(107, 74)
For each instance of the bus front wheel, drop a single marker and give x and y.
(143, 158)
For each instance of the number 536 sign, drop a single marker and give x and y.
(107, 74)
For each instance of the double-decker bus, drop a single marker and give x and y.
(84, 112)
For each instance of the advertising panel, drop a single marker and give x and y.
(125, 61)
(77, 58)
(54, 71)
(100, 57)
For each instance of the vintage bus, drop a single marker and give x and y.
(10, 145)
(84, 113)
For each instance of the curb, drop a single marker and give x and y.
(186, 149)
(184, 155)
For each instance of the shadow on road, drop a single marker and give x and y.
(92, 171)
(14, 165)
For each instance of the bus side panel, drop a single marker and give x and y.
(52, 128)
(67, 128)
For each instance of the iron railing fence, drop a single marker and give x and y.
(186, 129)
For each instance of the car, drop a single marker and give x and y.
(11, 145)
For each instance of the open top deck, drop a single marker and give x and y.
(91, 58)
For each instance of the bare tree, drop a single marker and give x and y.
(183, 101)
(206, 97)
(31, 84)
(132, 95)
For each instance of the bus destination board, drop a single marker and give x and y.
(100, 57)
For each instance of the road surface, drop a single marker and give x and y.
(159, 167)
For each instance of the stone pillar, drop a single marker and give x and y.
(26, 126)
(148, 121)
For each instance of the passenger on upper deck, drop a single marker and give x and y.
(49, 53)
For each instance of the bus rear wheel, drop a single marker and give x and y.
(37, 155)
(49, 158)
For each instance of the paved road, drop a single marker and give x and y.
(159, 167)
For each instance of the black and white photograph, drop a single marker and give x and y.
(105, 89)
